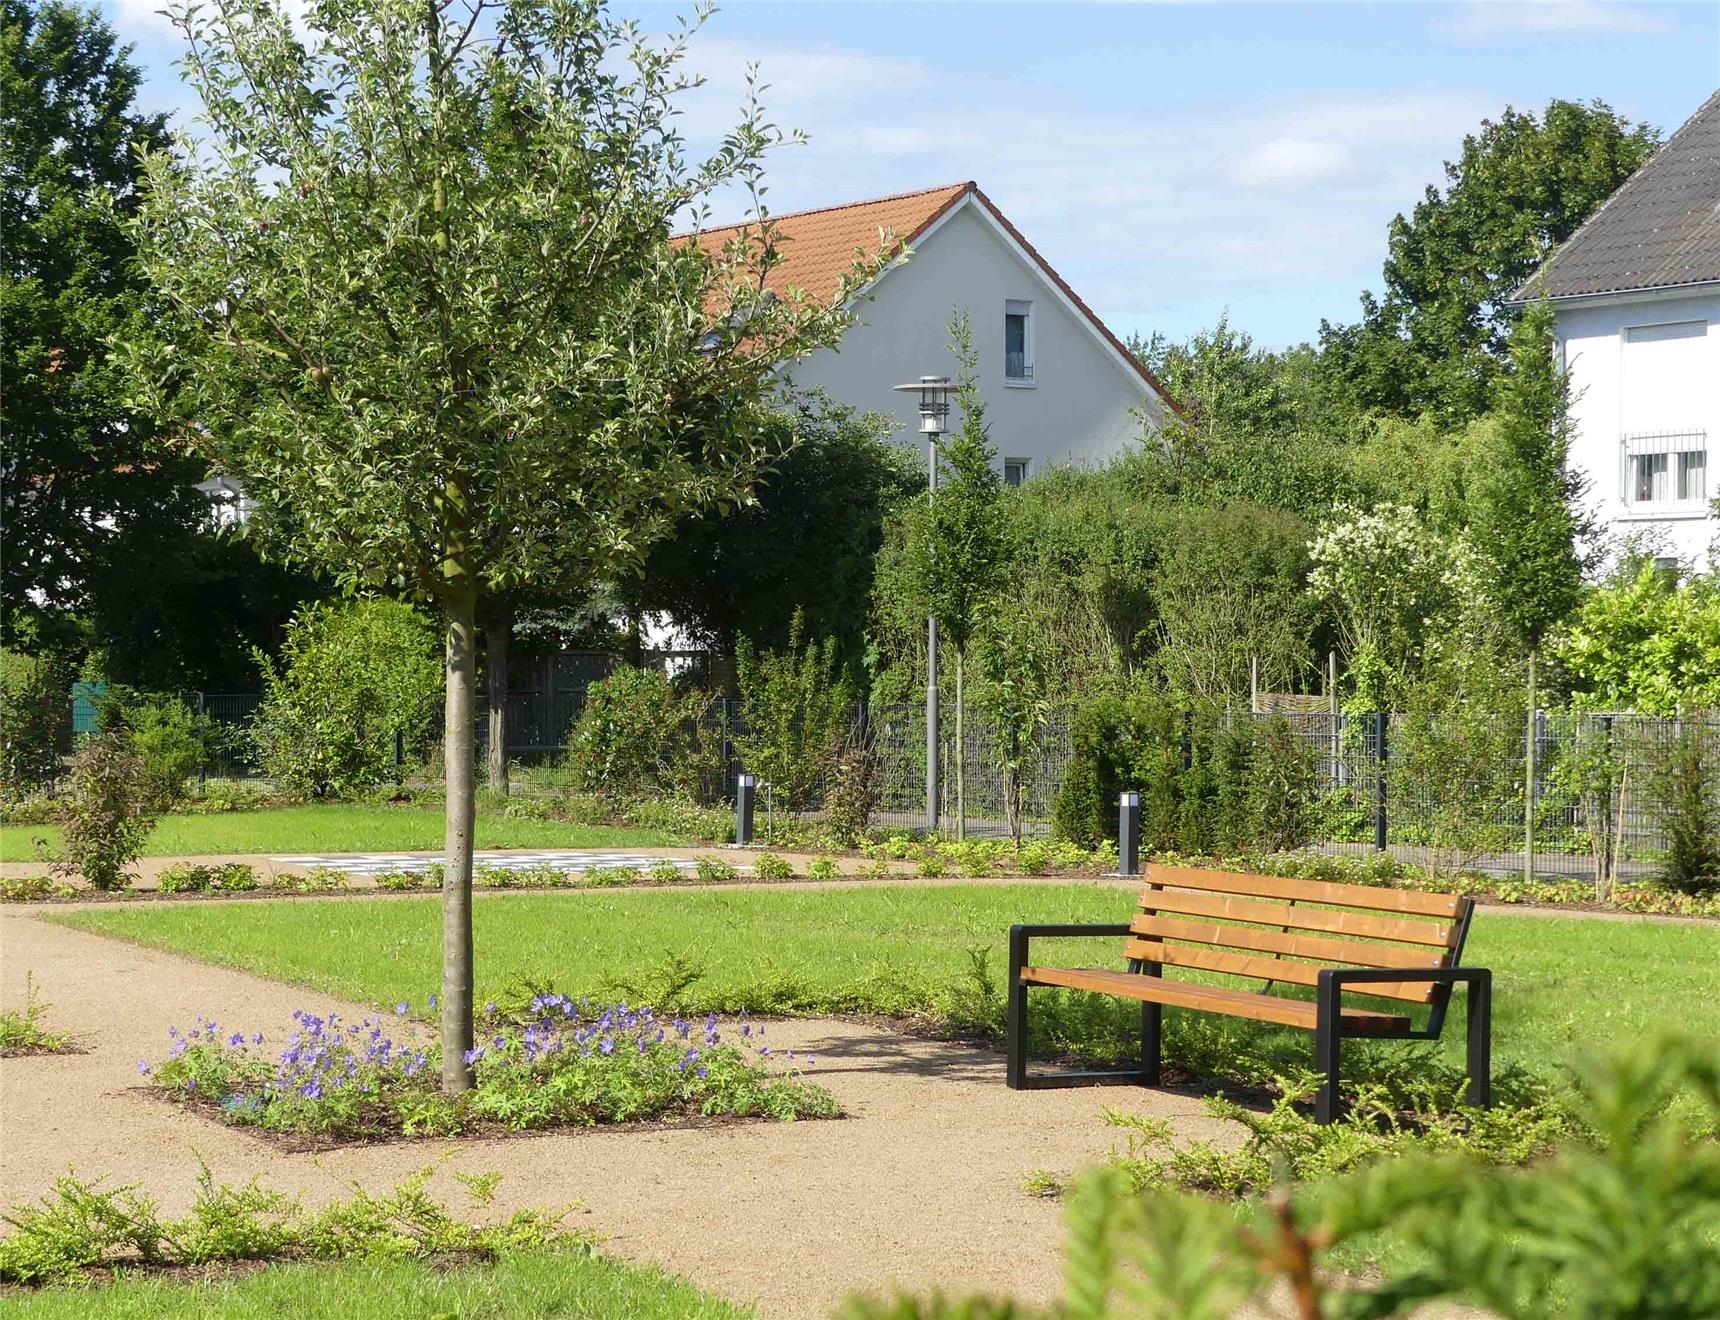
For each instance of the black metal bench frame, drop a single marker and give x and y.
(1328, 1030)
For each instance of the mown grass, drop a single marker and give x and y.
(1564, 986)
(336, 827)
(575, 1286)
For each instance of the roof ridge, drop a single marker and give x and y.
(963, 184)
(1522, 293)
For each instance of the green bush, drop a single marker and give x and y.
(165, 736)
(637, 734)
(799, 711)
(192, 878)
(1683, 797)
(350, 677)
(107, 811)
(824, 868)
(768, 866)
(35, 722)
(714, 870)
(1210, 781)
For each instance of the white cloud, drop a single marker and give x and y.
(1502, 20)
(1288, 161)
(138, 20)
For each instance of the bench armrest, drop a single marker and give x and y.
(1020, 935)
(1342, 976)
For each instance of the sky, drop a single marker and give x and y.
(1176, 162)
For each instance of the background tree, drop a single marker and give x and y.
(956, 547)
(806, 543)
(1436, 338)
(421, 291)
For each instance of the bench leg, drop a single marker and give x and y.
(1326, 1042)
(1480, 1041)
(1015, 1058)
(1152, 1042)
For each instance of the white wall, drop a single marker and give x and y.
(1078, 409)
(1626, 384)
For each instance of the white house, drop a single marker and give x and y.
(1636, 298)
(1058, 386)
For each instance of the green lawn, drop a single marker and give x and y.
(337, 827)
(1563, 986)
(572, 1286)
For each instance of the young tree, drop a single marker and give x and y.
(1527, 517)
(1435, 341)
(958, 553)
(423, 294)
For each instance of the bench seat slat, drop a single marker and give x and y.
(1324, 948)
(1337, 921)
(1212, 999)
(1370, 897)
(1209, 959)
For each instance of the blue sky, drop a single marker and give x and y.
(1173, 161)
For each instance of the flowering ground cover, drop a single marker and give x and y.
(546, 1062)
(1563, 985)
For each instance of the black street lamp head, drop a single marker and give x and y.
(934, 392)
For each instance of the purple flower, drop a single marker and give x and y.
(257, 1038)
(432, 999)
(401, 1009)
(703, 1073)
(143, 1067)
(190, 1085)
(810, 1061)
(236, 1039)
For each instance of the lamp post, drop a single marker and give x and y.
(934, 392)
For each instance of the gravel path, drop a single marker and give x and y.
(919, 1188)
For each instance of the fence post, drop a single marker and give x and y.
(1381, 721)
(744, 787)
(1129, 834)
(399, 756)
(1529, 780)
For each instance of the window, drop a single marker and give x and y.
(1666, 470)
(1014, 471)
(1018, 342)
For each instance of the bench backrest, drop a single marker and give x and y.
(1274, 928)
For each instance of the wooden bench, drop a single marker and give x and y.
(1399, 944)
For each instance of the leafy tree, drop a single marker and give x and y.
(420, 291)
(797, 709)
(35, 721)
(1645, 642)
(1230, 385)
(1436, 339)
(351, 678)
(956, 547)
(807, 542)
(1527, 517)
(89, 486)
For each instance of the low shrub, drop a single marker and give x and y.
(166, 738)
(27, 811)
(107, 812)
(21, 1030)
(218, 796)
(824, 868)
(1683, 797)
(192, 878)
(637, 733)
(715, 871)
(557, 1062)
(401, 881)
(768, 866)
(612, 877)
(30, 888)
(81, 1226)
(681, 819)
(318, 880)
(666, 872)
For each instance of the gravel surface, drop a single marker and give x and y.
(919, 1188)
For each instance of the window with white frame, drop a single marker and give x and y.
(1664, 459)
(1015, 471)
(1018, 342)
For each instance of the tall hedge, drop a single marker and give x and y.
(1210, 780)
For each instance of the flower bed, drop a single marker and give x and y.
(556, 1063)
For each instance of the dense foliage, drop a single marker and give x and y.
(109, 807)
(637, 733)
(799, 710)
(350, 679)
(35, 721)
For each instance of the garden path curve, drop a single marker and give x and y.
(920, 1188)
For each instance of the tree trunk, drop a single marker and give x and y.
(459, 752)
(498, 632)
(961, 752)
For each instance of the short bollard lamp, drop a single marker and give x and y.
(745, 787)
(1129, 834)
(934, 392)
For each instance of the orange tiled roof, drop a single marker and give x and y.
(818, 247)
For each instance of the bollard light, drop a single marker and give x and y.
(745, 787)
(1129, 834)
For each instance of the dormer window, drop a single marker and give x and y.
(1017, 343)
